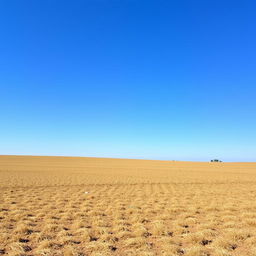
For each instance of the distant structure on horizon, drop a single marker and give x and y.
(216, 161)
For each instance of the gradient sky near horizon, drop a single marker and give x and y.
(125, 78)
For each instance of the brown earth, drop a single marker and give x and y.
(96, 206)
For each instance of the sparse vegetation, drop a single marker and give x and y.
(89, 206)
(216, 160)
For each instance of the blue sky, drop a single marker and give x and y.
(134, 79)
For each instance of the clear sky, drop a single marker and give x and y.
(128, 78)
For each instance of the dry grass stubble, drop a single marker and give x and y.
(92, 206)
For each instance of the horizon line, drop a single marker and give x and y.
(123, 158)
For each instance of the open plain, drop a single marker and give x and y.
(95, 206)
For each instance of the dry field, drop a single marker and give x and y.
(93, 206)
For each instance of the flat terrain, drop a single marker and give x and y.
(95, 206)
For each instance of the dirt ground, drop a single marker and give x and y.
(96, 206)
